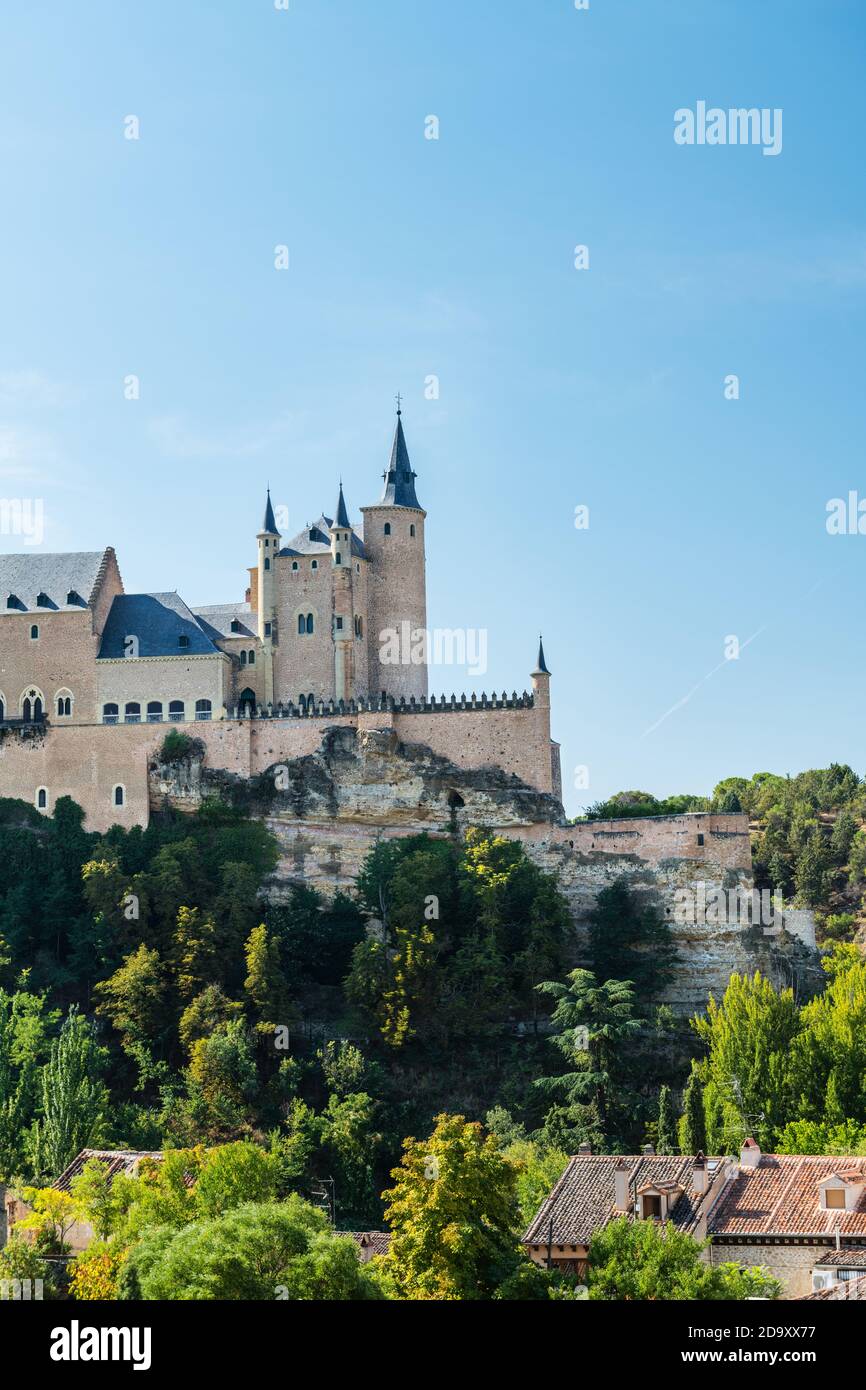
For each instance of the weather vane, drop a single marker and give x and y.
(399, 400)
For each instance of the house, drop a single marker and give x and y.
(802, 1218)
(116, 1161)
(369, 1243)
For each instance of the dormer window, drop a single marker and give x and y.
(183, 640)
(13, 601)
(43, 601)
(651, 1207)
(73, 597)
(840, 1191)
(834, 1199)
(235, 625)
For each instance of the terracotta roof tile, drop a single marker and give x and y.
(780, 1197)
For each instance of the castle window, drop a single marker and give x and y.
(243, 658)
(412, 529)
(73, 597)
(175, 711)
(110, 714)
(339, 624)
(314, 565)
(202, 709)
(119, 796)
(13, 601)
(64, 704)
(154, 712)
(34, 633)
(302, 624)
(267, 634)
(357, 569)
(387, 528)
(2, 709)
(235, 625)
(311, 703)
(43, 601)
(700, 839)
(252, 657)
(359, 627)
(267, 563)
(294, 565)
(338, 558)
(132, 712)
(31, 706)
(302, 703)
(42, 798)
(183, 640)
(309, 622)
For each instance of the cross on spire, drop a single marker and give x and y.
(399, 399)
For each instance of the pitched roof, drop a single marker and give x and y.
(377, 1242)
(583, 1199)
(315, 539)
(541, 668)
(852, 1258)
(115, 1160)
(158, 621)
(216, 620)
(399, 479)
(56, 576)
(269, 524)
(780, 1197)
(846, 1289)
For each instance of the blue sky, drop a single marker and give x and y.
(412, 257)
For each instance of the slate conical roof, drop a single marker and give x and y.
(269, 524)
(541, 668)
(342, 517)
(399, 480)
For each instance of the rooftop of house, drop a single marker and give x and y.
(846, 1289)
(315, 539)
(116, 1161)
(64, 583)
(377, 1242)
(162, 623)
(217, 619)
(852, 1258)
(584, 1199)
(780, 1196)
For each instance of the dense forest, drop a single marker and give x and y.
(155, 996)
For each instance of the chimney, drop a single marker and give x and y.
(584, 1149)
(648, 1149)
(620, 1186)
(750, 1154)
(699, 1173)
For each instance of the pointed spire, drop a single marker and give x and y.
(269, 524)
(541, 668)
(399, 477)
(342, 517)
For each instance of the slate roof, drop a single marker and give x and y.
(157, 620)
(269, 524)
(399, 478)
(56, 576)
(315, 540)
(342, 514)
(115, 1160)
(216, 620)
(846, 1289)
(780, 1197)
(583, 1199)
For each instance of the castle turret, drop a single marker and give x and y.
(541, 680)
(344, 605)
(269, 543)
(547, 748)
(397, 595)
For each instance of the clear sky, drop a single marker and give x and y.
(411, 257)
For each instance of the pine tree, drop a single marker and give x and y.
(693, 1130)
(74, 1099)
(665, 1131)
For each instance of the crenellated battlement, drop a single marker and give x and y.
(389, 704)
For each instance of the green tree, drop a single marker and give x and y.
(693, 1129)
(453, 1213)
(665, 1125)
(74, 1098)
(592, 1021)
(636, 1260)
(630, 940)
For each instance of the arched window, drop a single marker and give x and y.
(294, 564)
(34, 632)
(63, 704)
(243, 658)
(252, 658)
(302, 624)
(248, 701)
(311, 703)
(302, 703)
(42, 798)
(2, 709)
(202, 709)
(387, 528)
(412, 529)
(175, 711)
(359, 626)
(154, 711)
(109, 714)
(267, 563)
(314, 564)
(31, 705)
(309, 622)
(132, 712)
(338, 558)
(119, 796)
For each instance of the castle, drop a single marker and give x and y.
(89, 672)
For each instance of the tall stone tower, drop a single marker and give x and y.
(269, 544)
(397, 585)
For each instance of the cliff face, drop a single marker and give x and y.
(328, 808)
